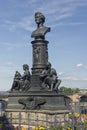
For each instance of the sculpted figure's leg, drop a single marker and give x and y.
(57, 85)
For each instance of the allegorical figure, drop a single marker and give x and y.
(41, 29)
(16, 82)
(21, 82)
(25, 78)
(49, 78)
(36, 53)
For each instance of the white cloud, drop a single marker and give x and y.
(24, 23)
(9, 63)
(61, 73)
(67, 24)
(11, 46)
(75, 23)
(54, 12)
(71, 78)
(81, 65)
(61, 8)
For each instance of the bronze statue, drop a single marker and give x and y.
(40, 89)
(21, 82)
(41, 29)
(49, 78)
(25, 78)
(16, 82)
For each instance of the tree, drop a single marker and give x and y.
(66, 90)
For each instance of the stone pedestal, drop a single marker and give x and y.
(35, 83)
(53, 101)
(36, 118)
(55, 109)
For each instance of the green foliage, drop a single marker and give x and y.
(69, 91)
(59, 127)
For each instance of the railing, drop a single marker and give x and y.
(75, 120)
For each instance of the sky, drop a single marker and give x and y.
(67, 46)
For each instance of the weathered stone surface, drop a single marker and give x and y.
(36, 118)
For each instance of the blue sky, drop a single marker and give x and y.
(67, 39)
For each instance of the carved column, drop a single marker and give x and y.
(40, 55)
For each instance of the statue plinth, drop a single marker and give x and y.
(41, 101)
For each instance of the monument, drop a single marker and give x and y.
(38, 90)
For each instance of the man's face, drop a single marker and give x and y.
(24, 67)
(38, 19)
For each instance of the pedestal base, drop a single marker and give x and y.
(44, 100)
(34, 118)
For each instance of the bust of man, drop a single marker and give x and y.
(41, 29)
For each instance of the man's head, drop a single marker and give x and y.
(25, 67)
(48, 65)
(39, 18)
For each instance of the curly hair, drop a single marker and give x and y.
(41, 16)
(26, 66)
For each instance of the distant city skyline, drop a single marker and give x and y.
(67, 40)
